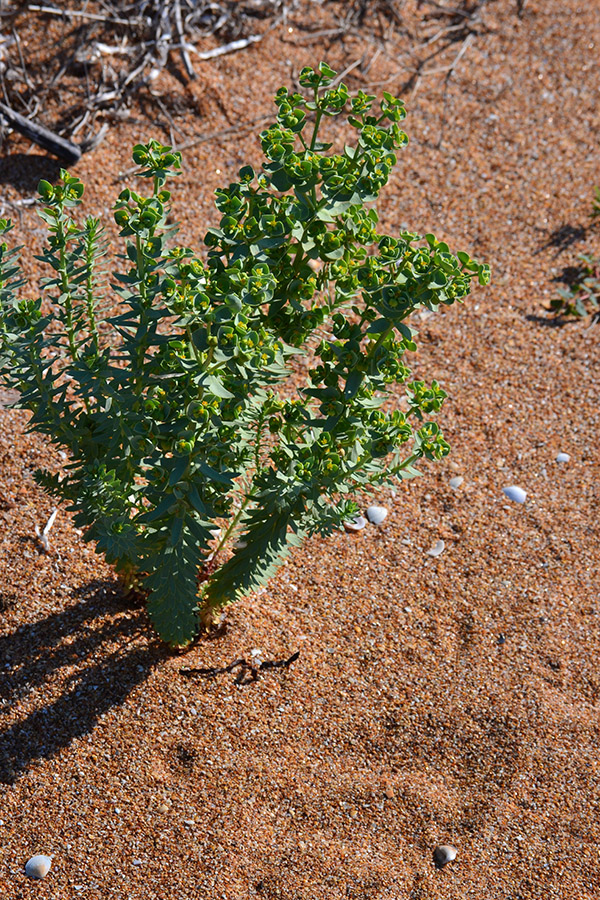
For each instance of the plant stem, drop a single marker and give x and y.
(251, 492)
(235, 521)
(142, 345)
(89, 289)
(65, 287)
(313, 139)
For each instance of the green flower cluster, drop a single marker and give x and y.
(187, 417)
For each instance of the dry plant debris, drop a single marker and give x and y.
(105, 57)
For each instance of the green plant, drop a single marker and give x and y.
(185, 417)
(595, 213)
(582, 296)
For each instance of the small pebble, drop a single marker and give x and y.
(38, 866)
(514, 493)
(443, 854)
(354, 525)
(456, 482)
(437, 548)
(376, 514)
(562, 457)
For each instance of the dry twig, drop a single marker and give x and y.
(119, 48)
(40, 135)
(43, 535)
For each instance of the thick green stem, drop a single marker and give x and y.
(140, 352)
(313, 139)
(65, 288)
(234, 522)
(195, 351)
(89, 292)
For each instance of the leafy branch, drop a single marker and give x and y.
(177, 414)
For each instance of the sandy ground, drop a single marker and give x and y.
(447, 700)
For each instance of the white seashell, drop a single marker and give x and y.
(376, 514)
(456, 482)
(354, 525)
(514, 493)
(437, 549)
(443, 854)
(562, 457)
(38, 866)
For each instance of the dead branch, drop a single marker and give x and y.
(41, 136)
(182, 42)
(451, 69)
(78, 14)
(204, 138)
(142, 35)
(226, 48)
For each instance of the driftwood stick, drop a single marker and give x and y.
(226, 48)
(182, 42)
(41, 136)
(78, 14)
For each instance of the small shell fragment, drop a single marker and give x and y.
(376, 514)
(514, 493)
(354, 525)
(456, 482)
(437, 549)
(562, 457)
(38, 866)
(443, 854)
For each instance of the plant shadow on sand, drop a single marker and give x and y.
(563, 238)
(24, 171)
(95, 640)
